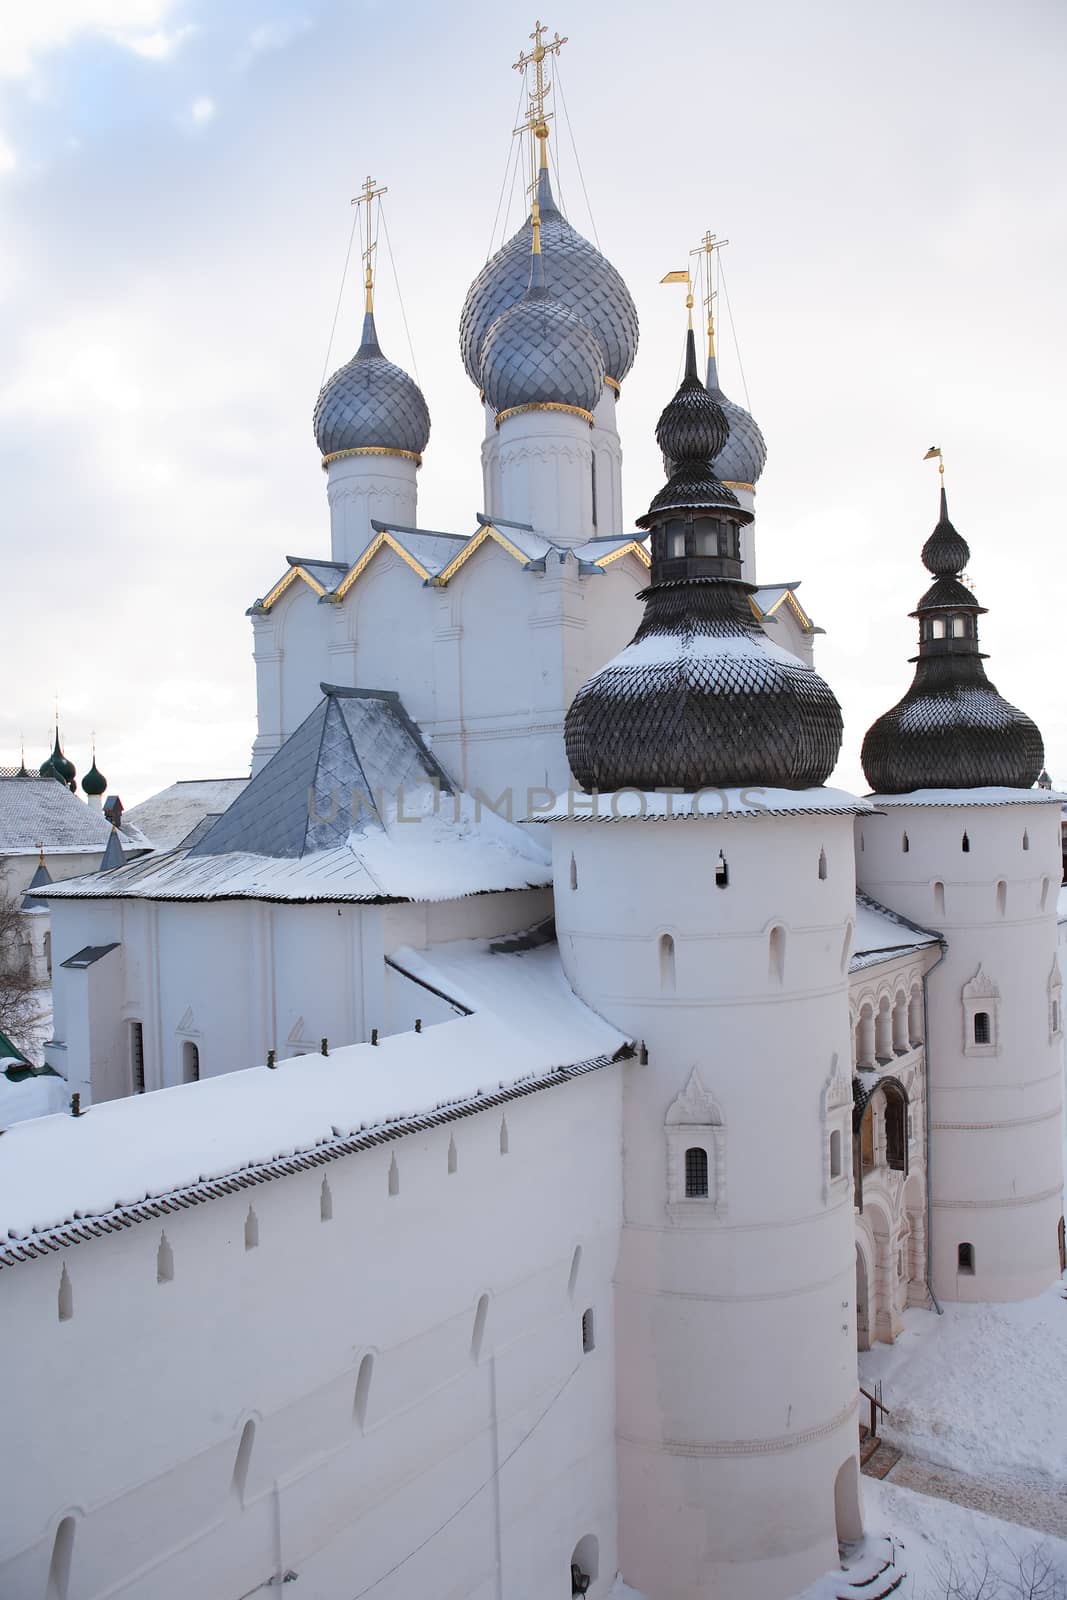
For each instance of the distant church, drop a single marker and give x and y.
(497, 1130)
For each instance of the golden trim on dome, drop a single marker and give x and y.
(544, 405)
(613, 383)
(371, 450)
(732, 483)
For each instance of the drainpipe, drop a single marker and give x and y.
(929, 1098)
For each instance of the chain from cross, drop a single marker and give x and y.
(367, 197)
(537, 118)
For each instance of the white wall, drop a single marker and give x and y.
(364, 488)
(486, 1469)
(996, 1166)
(735, 1315)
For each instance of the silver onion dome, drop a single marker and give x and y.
(744, 455)
(370, 404)
(540, 353)
(582, 280)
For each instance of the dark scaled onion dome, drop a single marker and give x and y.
(952, 730)
(700, 697)
(370, 404)
(94, 782)
(539, 353)
(57, 766)
(744, 456)
(581, 279)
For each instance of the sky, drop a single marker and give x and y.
(175, 178)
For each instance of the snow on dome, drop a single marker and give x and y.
(582, 280)
(370, 404)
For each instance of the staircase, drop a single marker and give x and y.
(877, 1459)
(870, 1570)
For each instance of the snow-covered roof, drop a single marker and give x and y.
(881, 934)
(969, 797)
(656, 805)
(67, 1178)
(169, 817)
(38, 813)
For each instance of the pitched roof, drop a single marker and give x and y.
(169, 817)
(882, 935)
(39, 813)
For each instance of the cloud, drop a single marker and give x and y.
(202, 110)
(30, 31)
(277, 34)
(8, 158)
(160, 45)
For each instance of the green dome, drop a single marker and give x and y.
(94, 782)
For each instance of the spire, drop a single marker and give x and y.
(537, 91)
(952, 730)
(113, 855)
(367, 198)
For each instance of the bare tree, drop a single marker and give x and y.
(1005, 1574)
(18, 999)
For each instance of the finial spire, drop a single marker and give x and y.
(935, 450)
(369, 195)
(707, 248)
(537, 118)
(686, 277)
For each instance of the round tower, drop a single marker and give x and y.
(519, 463)
(963, 844)
(705, 905)
(371, 426)
(95, 785)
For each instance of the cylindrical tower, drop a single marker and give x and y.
(716, 927)
(371, 425)
(965, 845)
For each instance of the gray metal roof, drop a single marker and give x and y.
(371, 404)
(38, 813)
(538, 352)
(88, 956)
(744, 455)
(169, 817)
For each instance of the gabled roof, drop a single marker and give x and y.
(40, 878)
(771, 597)
(169, 817)
(39, 813)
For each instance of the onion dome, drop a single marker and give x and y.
(744, 456)
(700, 697)
(539, 353)
(583, 281)
(57, 766)
(94, 783)
(952, 730)
(371, 405)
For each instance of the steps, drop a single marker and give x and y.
(870, 1570)
(877, 1458)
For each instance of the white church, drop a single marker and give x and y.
(494, 1134)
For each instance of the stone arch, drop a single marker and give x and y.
(848, 1512)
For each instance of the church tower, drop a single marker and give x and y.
(704, 892)
(372, 426)
(551, 463)
(963, 844)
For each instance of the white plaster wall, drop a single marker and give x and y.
(735, 1316)
(507, 485)
(543, 466)
(996, 1167)
(16, 871)
(362, 488)
(471, 1473)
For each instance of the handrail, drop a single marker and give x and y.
(874, 1399)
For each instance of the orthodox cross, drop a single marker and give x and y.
(537, 118)
(706, 248)
(367, 198)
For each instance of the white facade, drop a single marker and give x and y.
(366, 485)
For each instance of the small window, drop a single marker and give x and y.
(722, 872)
(696, 1174)
(1002, 897)
(62, 1555)
(937, 628)
(1044, 893)
(674, 539)
(965, 843)
(983, 1033)
(1026, 839)
(576, 1267)
(66, 1296)
(588, 1331)
(164, 1261)
(363, 1378)
(504, 1140)
(965, 1259)
(592, 477)
(48, 953)
(137, 1057)
(480, 1317)
(835, 1153)
(394, 1177)
(1055, 1016)
(453, 1159)
(939, 899)
(325, 1202)
(666, 963)
(776, 955)
(251, 1230)
(905, 844)
(822, 864)
(574, 873)
(959, 627)
(244, 1458)
(190, 1062)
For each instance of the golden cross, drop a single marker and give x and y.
(537, 118)
(706, 248)
(367, 198)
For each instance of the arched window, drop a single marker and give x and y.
(137, 1057)
(1002, 897)
(585, 1564)
(325, 1202)
(244, 1457)
(66, 1296)
(965, 843)
(1026, 839)
(835, 1153)
(453, 1159)
(983, 1033)
(696, 1174)
(666, 963)
(965, 1259)
(939, 899)
(394, 1177)
(59, 1567)
(480, 1318)
(190, 1062)
(574, 873)
(896, 1128)
(722, 872)
(164, 1261)
(776, 955)
(251, 1230)
(505, 1142)
(362, 1396)
(48, 953)
(905, 844)
(588, 1331)
(822, 863)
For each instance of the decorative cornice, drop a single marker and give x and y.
(286, 583)
(544, 405)
(380, 539)
(486, 531)
(635, 547)
(745, 1447)
(732, 483)
(371, 450)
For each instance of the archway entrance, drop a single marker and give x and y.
(863, 1303)
(848, 1513)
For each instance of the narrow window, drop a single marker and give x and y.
(896, 1131)
(905, 844)
(696, 1174)
(1044, 893)
(722, 873)
(453, 1160)
(325, 1202)
(190, 1062)
(363, 1378)
(592, 475)
(394, 1177)
(251, 1230)
(137, 1057)
(588, 1331)
(244, 1456)
(965, 843)
(48, 953)
(863, 844)
(1055, 1016)
(1002, 897)
(937, 628)
(576, 1267)
(835, 1153)
(1026, 839)
(776, 954)
(959, 627)
(939, 899)
(164, 1261)
(59, 1567)
(66, 1296)
(666, 963)
(982, 1034)
(478, 1336)
(574, 873)
(503, 1136)
(965, 1259)
(822, 863)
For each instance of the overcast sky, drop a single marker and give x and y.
(174, 187)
